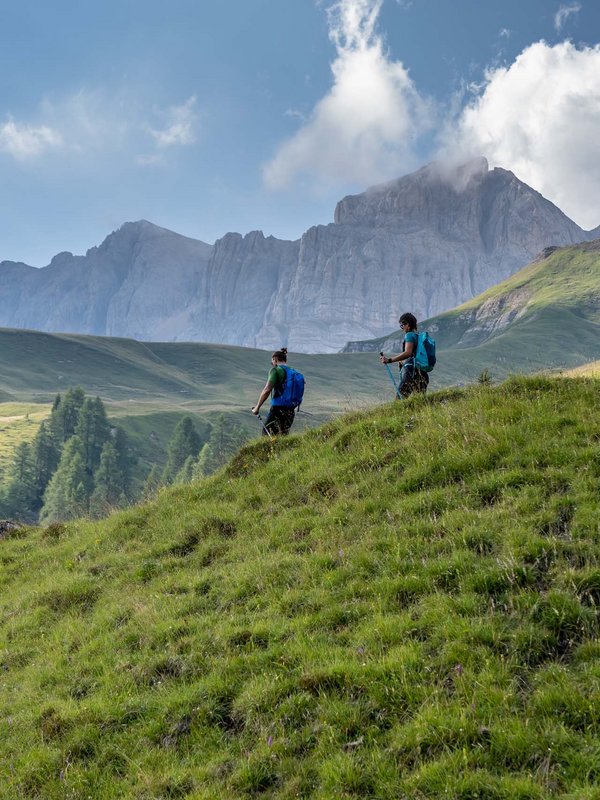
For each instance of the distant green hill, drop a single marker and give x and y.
(400, 604)
(151, 375)
(547, 316)
(148, 387)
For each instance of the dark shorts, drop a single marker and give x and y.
(412, 380)
(279, 421)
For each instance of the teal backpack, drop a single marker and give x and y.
(425, 356)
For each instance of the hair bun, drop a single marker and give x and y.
(283, 350)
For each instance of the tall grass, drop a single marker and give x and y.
(400, 604)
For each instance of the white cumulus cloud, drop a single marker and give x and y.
(23, 141)
(540, 118)
(365, 128)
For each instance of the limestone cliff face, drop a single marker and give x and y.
(425, 242)
(237, 286)
(137, 283)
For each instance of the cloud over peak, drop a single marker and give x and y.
(365, 127)
(540, 117)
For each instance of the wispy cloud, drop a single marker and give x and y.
(563, 14)
(180, 125)
(540, 117)
(24, 142)
(91, 124)
(365, 127)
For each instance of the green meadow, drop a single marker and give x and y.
(401, 603)
(19, 422)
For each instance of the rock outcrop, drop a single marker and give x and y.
(426, 242)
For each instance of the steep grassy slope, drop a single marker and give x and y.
(401, 604)
(546, 316)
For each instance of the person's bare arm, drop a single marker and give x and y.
(268, 388)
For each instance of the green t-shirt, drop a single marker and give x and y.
(277, 378)
(411, 336)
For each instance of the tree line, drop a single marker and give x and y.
(77, 465)
(188, 459)
(80, 465)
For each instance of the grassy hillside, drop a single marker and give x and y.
(547, 316)
(400, 604)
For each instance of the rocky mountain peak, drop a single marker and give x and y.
(425, 242)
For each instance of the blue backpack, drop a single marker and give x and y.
(292, 390)
(425, 356)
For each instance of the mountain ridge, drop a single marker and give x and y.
(429, 241)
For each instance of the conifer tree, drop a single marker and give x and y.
(46, 455)
(153, 482)
(125, 459)
(93, 430)
(108, 492)
(186, 473)
(65, 414)
(185, 442)
(19, 500)
(225, 440)
(67, 494)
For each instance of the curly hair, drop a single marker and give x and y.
(410, 320)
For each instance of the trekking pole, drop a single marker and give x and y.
(393, 380)
(264, 427)
(308, 414)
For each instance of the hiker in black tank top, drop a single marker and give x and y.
(412, 379)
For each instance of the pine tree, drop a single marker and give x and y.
(67, 494)
(186, 473)
(153, 482)
(19, 500)
(185, 442)
(46, 456)
(65, 414)
(225, 440)
(108, 492)
(125, 459)
(93, 430)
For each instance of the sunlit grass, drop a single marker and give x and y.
(19, 422)
(400, 604)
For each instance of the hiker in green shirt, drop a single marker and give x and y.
(280, 418)
(412, 379)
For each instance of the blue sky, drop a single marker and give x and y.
(206, 117)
